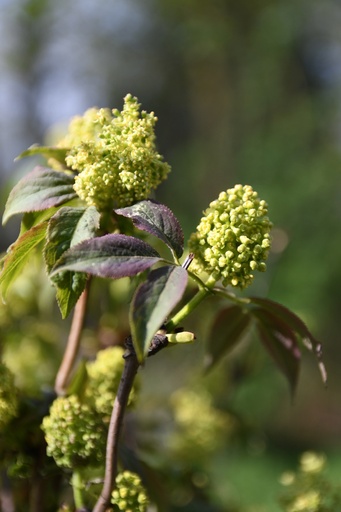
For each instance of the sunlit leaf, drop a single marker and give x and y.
(41, 189)
(228, 329)
(68, 227)
(153, 301)
(46, 151)
(113, 256)
(281, 343)
(19, 253)
(158, 220)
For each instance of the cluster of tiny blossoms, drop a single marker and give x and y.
(104, 378)
(75, 433)
(129, 495)
(8, 396)
(115, 155)
(233, 237)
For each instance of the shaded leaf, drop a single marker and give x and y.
(31, 219)
(297, 325)
(112, 256)
(281, 343)
(227, 330)
(46, 151)
(158, 220)
(152, 302)
(19, 253)
(41, 189)
(79, 381)
(68, 227)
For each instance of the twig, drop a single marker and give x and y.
(71, 351)
(116, 420)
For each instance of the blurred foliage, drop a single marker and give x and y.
(241, 93)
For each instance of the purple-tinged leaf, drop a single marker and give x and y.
(18, 254)
(112, 256)
(281, 343)
(228, 329)
(158, 220)
(154, 299)
(58, 154)
(41, 189)
(297, 325)
(68, 227)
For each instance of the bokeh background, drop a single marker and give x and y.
(245, 92)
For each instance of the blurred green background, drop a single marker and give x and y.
(245, 92)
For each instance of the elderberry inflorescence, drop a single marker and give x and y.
(75, 433)
(233, 237)
(129, 495)
(115, 155)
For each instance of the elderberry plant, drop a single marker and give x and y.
(89, 211)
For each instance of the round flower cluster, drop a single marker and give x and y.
(129, 494)
(115, 156)
(104, 378)
(75, 433)
(8, 396)
(232, 239)
(201, 428)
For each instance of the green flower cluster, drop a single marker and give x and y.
(201, 428)
(104, 378)
(308, 490)
(75, 433)
(115, 155)
(8, 396)
(232, 239)
(129, 495)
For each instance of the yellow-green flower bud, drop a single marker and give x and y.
(233, 237)
(115, 155)
(8, 396)
(129, 495)
(75, 433)
(104, 378)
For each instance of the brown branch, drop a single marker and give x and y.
(116, 420)
(72, 347)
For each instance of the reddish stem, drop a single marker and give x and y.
(116, 420)
(72, 347)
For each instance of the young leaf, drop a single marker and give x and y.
(228, 329)
(158, 220)
(39, 190)
(281, 343)
(153, 301)
(19, 253)
(47, 151)
(112, 256)
(68, 227)
(297, 325)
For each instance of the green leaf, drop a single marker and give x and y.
(153, 301)
(297, 325)
(228, 329)
(79, 381)
(46, 151)
(158, 220)
(113, 256)
(19, 253)
(67, 228)
(31, 219)
(41, 189)
(281, 343)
